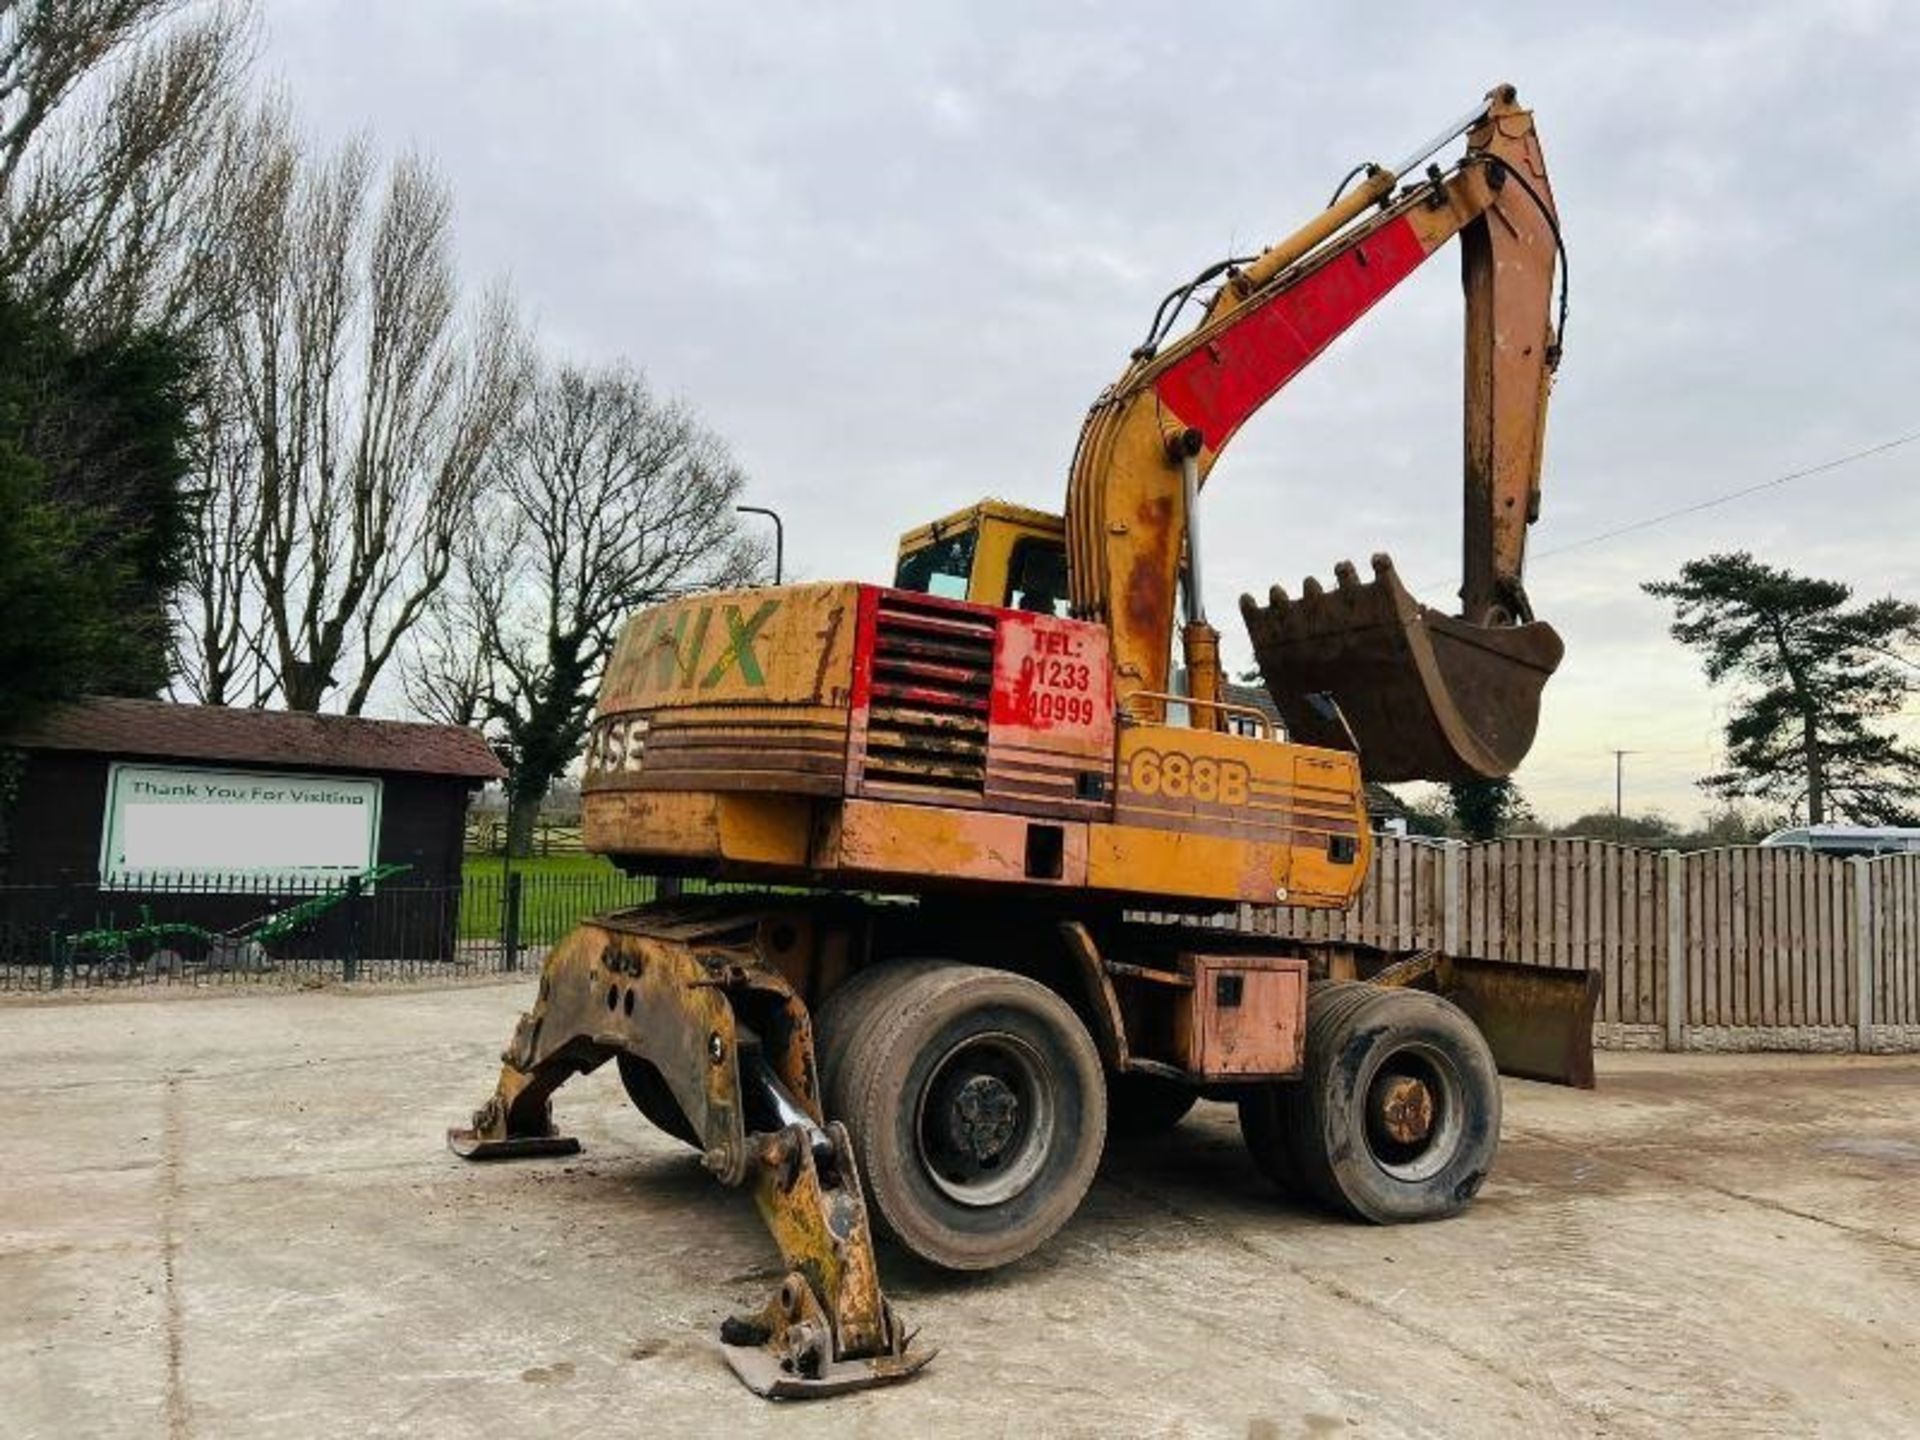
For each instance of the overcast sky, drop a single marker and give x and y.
(892, 251)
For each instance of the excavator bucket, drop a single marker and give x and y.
(1420, 695)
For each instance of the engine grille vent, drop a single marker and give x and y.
(932, 696)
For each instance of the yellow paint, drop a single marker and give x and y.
(746, 828)
(1176, 767)
(1329, 777)
(1265, 812)
(785, 645)
(998, 527)
(1140, 860)
(883, 838)
(1247, 820)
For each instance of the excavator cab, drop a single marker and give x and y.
(992, 553)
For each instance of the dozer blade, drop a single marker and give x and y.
(1537, 1019)
(1423, 696)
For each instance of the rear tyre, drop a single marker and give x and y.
(653, 1099)
(977, 1104)
(1397, 1118)
(1139, 1106)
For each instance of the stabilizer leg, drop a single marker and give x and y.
(828, 1329)
(516, 1122)
(677, 987)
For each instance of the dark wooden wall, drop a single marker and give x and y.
(50, 866)
(54, 825)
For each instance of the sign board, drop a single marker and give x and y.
(173, 821)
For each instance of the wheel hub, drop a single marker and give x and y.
(985, 1120)
(1403, 1109)
(982, 1117)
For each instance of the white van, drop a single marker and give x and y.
(1848, 839)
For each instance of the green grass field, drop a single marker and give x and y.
(556, 893)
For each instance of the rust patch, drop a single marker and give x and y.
(1148, 603)
(828, 632)
(1404, 1108)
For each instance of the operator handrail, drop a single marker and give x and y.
(1225, 707)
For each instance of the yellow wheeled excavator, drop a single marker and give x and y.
(968, 786)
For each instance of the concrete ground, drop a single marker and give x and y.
(236, 1216)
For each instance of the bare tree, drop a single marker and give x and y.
(372, 400)
(450, 675)
(610, 500)
(217, 657)
(113, 120)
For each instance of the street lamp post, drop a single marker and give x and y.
(779, 536)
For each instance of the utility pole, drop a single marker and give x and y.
(1619, 792)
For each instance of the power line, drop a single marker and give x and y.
(1731, 495)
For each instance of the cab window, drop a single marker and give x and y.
(938, 568)
(1037, 578)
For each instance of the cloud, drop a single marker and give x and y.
(895, 253)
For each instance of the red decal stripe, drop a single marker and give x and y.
(1219, 385)
(866, 628)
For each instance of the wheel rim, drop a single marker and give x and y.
(985, 1119)
(1415, 1110)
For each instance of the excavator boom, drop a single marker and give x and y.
(1421, 695)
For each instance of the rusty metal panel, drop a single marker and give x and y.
(1538, 1019)
(921, 697)
(1202, 812)
(1053, 686)
(787, 646)
(1243, 1017)
(1050, 748)
(742, 691)
(883, 841)
(792, 749)
(761, 833)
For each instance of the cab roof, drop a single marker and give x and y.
(1002, 510)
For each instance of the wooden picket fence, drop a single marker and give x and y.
(1747, 947)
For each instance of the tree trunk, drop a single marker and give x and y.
(1816, 779)
(303, 685)
(523, 813)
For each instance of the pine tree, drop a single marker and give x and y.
(1814, 671)
(1488, 809)
(92, 518)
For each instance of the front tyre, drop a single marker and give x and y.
(977, 1104)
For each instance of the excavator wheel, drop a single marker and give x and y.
(1398, 1115)
(1139, 1106)
(834, 1018)
(653, 1099)
(976, 1101)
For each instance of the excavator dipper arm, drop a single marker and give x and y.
(1150, 441)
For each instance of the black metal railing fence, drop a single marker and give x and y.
(388, 924)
